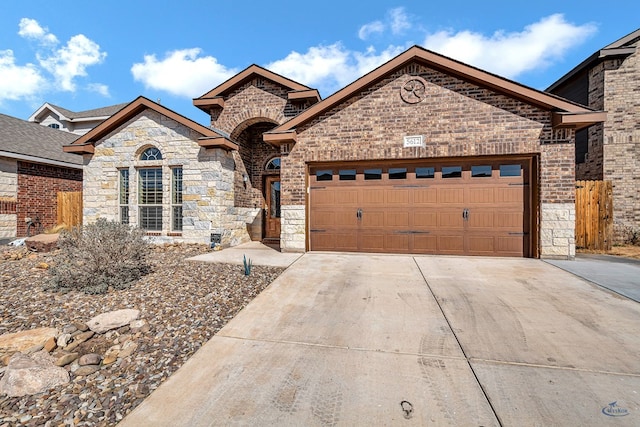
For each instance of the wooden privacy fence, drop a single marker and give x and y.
(594, 215)
(70, 208)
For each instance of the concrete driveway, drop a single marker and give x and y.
(347, 339)
(618, 274)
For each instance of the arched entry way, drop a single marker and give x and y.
(258, 178)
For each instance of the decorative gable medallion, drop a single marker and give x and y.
(414, 90)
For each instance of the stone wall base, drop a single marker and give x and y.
(8, 225)
(292, 235)
(557, 231)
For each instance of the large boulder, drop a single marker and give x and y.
(112, 320)
(43, 242)
(24, 340)
(27, 375)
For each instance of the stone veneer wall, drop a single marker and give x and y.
(208, 192)
(457, 119)
(8, 193)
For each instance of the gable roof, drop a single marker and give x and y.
(215, 96)
(28, 141)
(86, 143)
(619, 48)
(71, 116)
(569, 113)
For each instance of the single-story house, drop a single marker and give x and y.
(609, 80)
(424, 154)
(78, 122)
(33, 169)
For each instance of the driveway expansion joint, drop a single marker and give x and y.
(339, 347)
(560, 368)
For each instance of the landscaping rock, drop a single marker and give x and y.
(140, 325)
(111, 355)
(24, 340)
(43, 242)
(31, 375)
(112, 320)
(177, 324)
(50, 345)
(83, 327)
(67, 358)
(86, 370)
(128, 347)
(79, 339)
(63, 339)
(90, 359)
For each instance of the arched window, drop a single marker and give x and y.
(273, 165)
(151, 153)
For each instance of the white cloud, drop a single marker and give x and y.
(72, 60)
(99, 88)
(58, 67)
(16, 81)
(511, 54)
(329, 68)
(31, 29)
(396, 20)
(181, 72)
(371, 28)
(399, 20)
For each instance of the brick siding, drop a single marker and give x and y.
(38, 187)
(251, 109)
(456, 118)
(613, 147)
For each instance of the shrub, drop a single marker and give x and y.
(99, 256)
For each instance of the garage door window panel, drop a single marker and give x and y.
(372, 174)
(481, 171)
(324, 175)
(425, 172)
(513, 170)
(347, 174)
(397, 173)
(451, 172)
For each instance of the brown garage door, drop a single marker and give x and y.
(449, 207)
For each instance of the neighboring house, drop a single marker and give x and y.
(33, 169)
(78, 123)
(422, 155)
(609, 80)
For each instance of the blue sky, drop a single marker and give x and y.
(89, 54)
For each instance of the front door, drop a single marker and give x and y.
(272, 214)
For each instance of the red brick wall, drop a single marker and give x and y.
(38, 187)
(457, 118)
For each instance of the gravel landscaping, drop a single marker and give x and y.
(184, 303)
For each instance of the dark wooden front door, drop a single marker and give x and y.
(272, 214)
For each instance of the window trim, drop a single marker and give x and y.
(124, 195)
(176, 198)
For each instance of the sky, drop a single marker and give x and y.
(89, 54)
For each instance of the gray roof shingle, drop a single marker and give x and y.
(24, 138)
(96, 112)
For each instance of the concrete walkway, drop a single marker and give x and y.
(258, 253)
(618, 274)
(342, 339)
